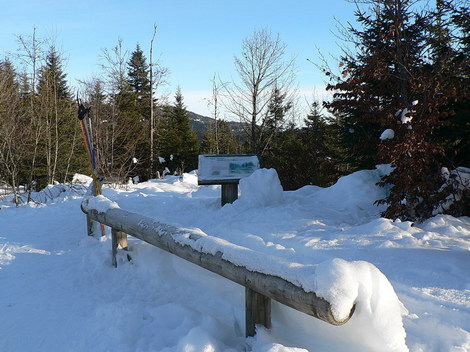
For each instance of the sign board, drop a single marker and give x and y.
(224, 169)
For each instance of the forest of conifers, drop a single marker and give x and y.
(400, 96)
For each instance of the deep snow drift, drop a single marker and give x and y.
(59, 291)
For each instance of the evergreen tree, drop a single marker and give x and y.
(56, 112)
(374, 83)
(449, 40)
(138, 74)
(275, 120)
(391, 83)
(138, 108)
(221, 142)
(179, 141)
(52, 78)
(308, 155)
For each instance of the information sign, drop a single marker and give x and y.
(222, 169)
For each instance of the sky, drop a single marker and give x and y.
(195, 40)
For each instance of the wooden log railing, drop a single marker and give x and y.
(260, 288)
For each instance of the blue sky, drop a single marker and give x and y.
(195, 39)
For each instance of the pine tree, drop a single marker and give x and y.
(307, 155)
(57, 118)
(222, 142)
(392, 82)
(179, 141)
(449, 40)
(137, 108)
(52, 78)
(138, 73)
(275, 120)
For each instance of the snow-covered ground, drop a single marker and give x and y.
(59, 291)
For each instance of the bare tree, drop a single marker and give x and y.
(214, 103)
(31, 55)
(115, 67)
(157, 77)
(13, 147)
(152, 117)
(261, 68)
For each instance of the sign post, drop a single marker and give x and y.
(226, 170)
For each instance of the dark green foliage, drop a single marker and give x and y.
(58, 132)
(179, 146)
(131, 148)
(52, 78)
(219, 139)
(309, 155)
(138, 74)
(408, 76)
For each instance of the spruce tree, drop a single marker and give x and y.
(179, 141)
(56, 111)
(449, 40)
(139, 81)
(275, 120)
(306, 155)
(138, 108)
(222, 142)
(392, 82)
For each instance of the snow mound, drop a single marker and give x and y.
(378, 309)
(387, 134)
(355, 192)
(261, 189)
(79, 178)
(197, 340)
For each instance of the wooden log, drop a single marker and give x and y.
(162, 235)
(257, 311)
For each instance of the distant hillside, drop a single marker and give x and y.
(200, 123)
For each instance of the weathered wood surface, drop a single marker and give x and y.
(257, 311)
(119, 239)
(161, 235)
(90, 225)
(229, 193)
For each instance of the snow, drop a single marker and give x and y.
(261, 189)
(409, 281)
(387, 134)
(100, 203)
(405, 118)
(379, 311)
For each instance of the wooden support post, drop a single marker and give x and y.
(257, 311)
(114, 244)
(90, 224)
(118, 239)
(122, 240)
(229, 193)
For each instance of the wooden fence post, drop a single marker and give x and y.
(90, 225)
(118, 238)
(257, 311)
